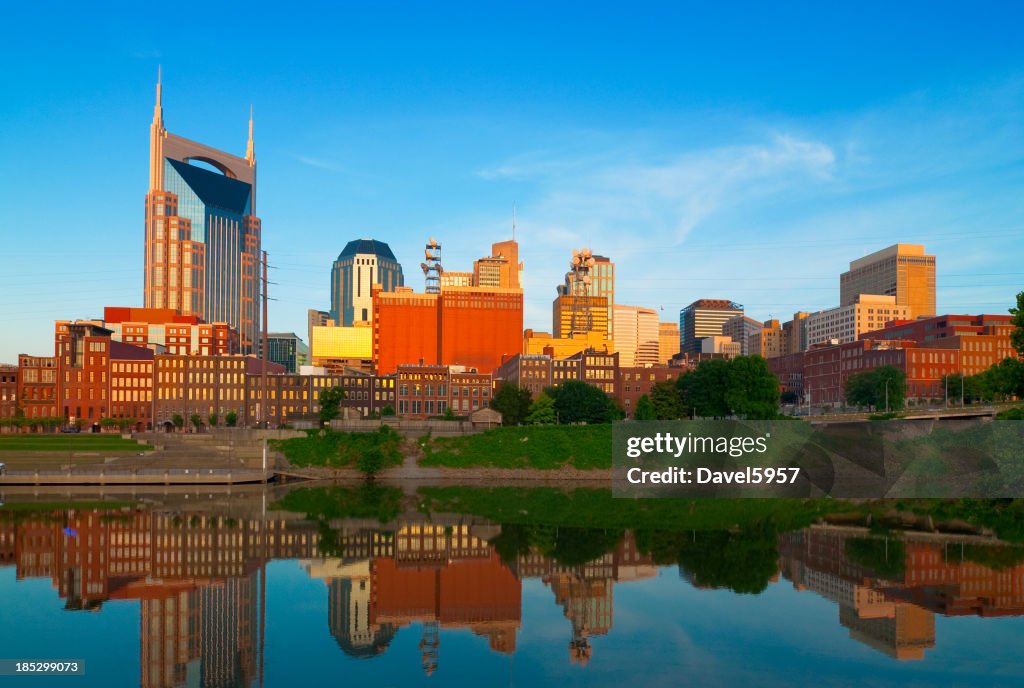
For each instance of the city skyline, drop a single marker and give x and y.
(685, 148)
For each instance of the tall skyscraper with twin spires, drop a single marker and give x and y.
(202, 233)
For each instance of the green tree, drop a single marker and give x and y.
(231, 419)
(1006, 378)
(667, 401)
(892, 395)
(860, 390)
(578, 402)
(178, 420)
(330, 404)
(542, 411)
(512, 402)
(884, 556)
(645, 409)
(742, 561)
(706, 387)
(370, 461)
(881, 388)
(448, 414)
(1017, 336)
(753, 391)
(212, 420)
(388, 410)
(196, 420)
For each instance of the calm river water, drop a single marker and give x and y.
(461, 587)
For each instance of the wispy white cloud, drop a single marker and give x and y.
(772, 220)
(641, 212)
(319, 163)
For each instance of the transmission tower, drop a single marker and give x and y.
(432, 269)
(582, 320)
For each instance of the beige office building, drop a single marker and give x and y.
(769, 342)
(668, 341)
(846, 323)
(636, 335)
(902, 270)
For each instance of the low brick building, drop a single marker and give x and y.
(8, 391)
(430, 390)
(633, 383)
(204, 385)
(826, 369)
(37, 386)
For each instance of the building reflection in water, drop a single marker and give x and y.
(889, 602)
(200, 583)
(197, 579)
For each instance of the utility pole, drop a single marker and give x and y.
(263, 350)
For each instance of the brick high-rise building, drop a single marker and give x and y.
(902, 270)
(203, 238)
(469, 326)
(100, 378)
(83, 364)
(406, 329)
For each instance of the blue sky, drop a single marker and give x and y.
(746, 151)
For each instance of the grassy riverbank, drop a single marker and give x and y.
(543, 447)
(71, 442)
(342, 449)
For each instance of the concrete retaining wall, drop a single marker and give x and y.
(410, 428)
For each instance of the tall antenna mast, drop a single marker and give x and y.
(432, 267)
(581, 320)
(513, 222)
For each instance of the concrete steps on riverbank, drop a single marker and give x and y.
(233, 445)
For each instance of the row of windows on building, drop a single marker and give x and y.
(442, 390)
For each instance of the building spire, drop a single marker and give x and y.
(158, 109)
(156, 137)
(250, 150)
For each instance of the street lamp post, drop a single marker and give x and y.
(887, 395)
